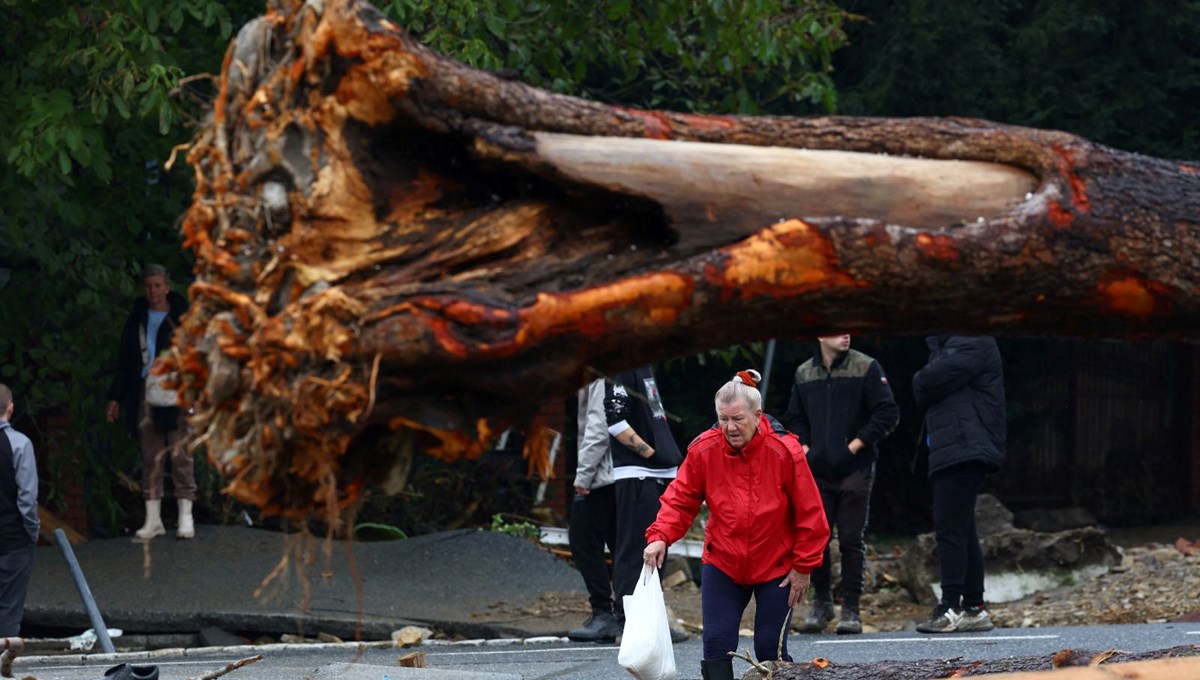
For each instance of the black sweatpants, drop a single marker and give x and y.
(847, 503)
(637, 506)
(16, 566)
(954, 492)
(593, 524)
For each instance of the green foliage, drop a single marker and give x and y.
(94, 102)
(1120, 73)
(520, 529)
(765, 56)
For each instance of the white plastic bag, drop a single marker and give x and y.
(646, 650)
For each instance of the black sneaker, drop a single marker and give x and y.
(849, 623)
(944, 619)
(601, 627)
(818, 617)
(975, 620)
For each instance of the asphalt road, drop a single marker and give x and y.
(569, 661)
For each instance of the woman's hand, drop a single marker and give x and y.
(797, 582)
(655, 553)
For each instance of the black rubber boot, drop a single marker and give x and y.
(716, 669)
(601, 627)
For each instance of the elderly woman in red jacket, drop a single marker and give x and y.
(766, 528)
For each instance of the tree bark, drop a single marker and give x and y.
(398, 254)
(1074, 664)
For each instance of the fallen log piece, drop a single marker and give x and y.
(1171, 663)
(397, 254)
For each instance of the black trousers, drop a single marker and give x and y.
(637, 506)
(593, 525)
(959, 556)
(847, 504)
(722, 603)
(16, 566)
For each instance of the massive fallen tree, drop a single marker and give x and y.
(398, 254)
(1173, 662)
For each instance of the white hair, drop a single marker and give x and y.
(738, 388)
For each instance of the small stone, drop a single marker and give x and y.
(409, 636)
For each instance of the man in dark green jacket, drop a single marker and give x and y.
(841, 407)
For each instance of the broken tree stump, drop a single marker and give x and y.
(1163, 662)
(397, 254)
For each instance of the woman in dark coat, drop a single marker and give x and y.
(146, 334)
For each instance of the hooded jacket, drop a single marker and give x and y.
(962, 392)
(831, 407)
(127, 384)
(765, 513)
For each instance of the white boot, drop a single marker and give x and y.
(153, 526)
(187, 529)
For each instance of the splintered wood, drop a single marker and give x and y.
(397, 255)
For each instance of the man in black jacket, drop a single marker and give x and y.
(841, 407)
(645, 459)
(962, 392)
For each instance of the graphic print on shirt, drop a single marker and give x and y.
(653, 398)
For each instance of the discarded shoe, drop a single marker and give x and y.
(126, 672)
(600, 627)
(818, 617)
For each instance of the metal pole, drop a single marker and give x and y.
(766, 378)
(85, 593)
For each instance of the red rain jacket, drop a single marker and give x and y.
(765, 513)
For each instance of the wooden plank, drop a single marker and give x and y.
(50, 522)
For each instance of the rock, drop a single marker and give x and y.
(991, 516)
(410, 636)
(1055, 519)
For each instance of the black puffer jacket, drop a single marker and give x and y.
(127, 384)
(962, 392)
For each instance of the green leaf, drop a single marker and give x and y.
(119, 104)
(152, 19)
(64, 162)
(175, 19)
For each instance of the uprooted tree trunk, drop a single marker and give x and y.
(1162, 664)
(397, 253)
